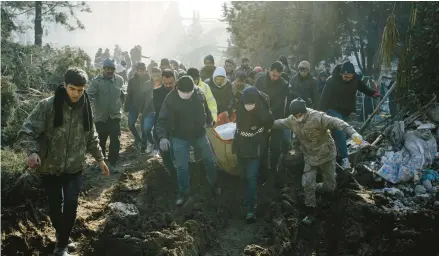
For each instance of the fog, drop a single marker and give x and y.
(158, 26)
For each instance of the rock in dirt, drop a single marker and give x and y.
(419, 190)
(122, 210)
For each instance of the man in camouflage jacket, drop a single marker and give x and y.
(57, 134)
(319, 151)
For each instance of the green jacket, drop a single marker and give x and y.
(61, 149)
(317, 145)
(107, 98)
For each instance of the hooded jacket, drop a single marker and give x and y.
(223, 93)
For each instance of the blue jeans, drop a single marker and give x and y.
(251, 166)
(339, 136)
(181, 149)
(132, 119)
(63, 192)
(274, 145)
(148, 124)
(286, 140)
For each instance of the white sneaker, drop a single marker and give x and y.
(345, 163)
(155, 154)
(149, 148)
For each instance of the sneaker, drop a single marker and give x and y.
(180, 201)
(150, 148)
(155, 153)
(250, 217)
(61, 251)
(345, 163)
(143, 150)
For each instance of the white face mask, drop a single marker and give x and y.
(249, 107)
(185, 95)
(300, 119)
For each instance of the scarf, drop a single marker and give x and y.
(84, 103)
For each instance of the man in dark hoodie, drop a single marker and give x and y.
(206, 72)
(222, 92)
(245, 66)
(183, 119)
(158, 97)
(339, 100)
(253, 121)
(304, 85)
(138, 87)
(272, 84)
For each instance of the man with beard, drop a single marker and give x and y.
(229, 66)
(245, 66)
(107, 97)
(57, 135)
(339, 100)
(304, 85)
(208, 69)
(182, 122)
(222, 92)
(158, 97)
(272, 84)
(139, 93)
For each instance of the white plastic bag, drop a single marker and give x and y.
(226, 131)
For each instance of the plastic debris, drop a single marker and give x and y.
(123, 210)
(226, 131)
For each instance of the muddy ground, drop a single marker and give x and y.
(350, 223)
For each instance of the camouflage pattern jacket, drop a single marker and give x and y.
(317, 145)
(107, 98)
(61, 149)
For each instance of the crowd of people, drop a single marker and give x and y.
(176, 105)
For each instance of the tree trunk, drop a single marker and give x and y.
(38, 23)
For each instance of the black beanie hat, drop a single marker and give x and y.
(141, 66)
(185, 84)
(347, 68)
(209, 57)
(164, 62)
(298, 106)
(250, 95)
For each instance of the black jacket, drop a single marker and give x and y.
(139, 93)
(185, 119)
(341, 96)
(223, 96)
(305, 88)
(158, 97)
(252, 128)
(278, 93)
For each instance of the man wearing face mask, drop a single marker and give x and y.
(208, 69)
(183, 119)
(245, 66)
(272, 84)
(253, 121)
(107, 97)
(339, 100)
(304, 85)
(222, 92)
(318, 147)
(158, 97)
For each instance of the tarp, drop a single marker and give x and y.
(222, 150)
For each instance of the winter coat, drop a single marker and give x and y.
(61, 149)
(184, 119)
(341, 96)
(107, 97)
(305, 88)
(223, 94)
(139, 94)
(278, 93)
(317, 145)
(158, 97)
(206, 73)
(252, 127)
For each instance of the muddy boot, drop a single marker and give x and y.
(310, 216)
(143, 150)
(250, 217)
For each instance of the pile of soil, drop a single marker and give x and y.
(351, 222)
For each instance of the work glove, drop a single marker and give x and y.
(164, 144)
(357, 138)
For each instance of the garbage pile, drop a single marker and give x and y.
(407, 163)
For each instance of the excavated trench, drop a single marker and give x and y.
(351, 223)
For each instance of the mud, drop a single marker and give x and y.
(351, 222)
